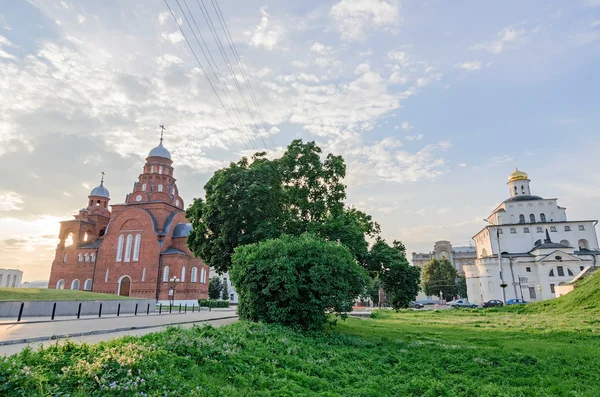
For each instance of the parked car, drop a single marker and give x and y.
(415, 305)
(516, 302)
(462, 303)
(492, 303)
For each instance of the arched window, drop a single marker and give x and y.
(542, 217)
(87, 286)
(86, 236)
(144, 187)
(583, 243)
(531, 218)
(569, 272)
(98, 203)
(581, 227)
(120, 248)
(93, 257)
(203, 276)
(160, 188)
(567, 228)
(516, 191)
(523, 189)
(8, 280)
(60, 284)
(194, 275)
(79, 257)
(484, 253)
(65, 258)
(75, 284)
(552, 228)
(128, 248)
(136, 248)
(166, 274)
(152, 169)
(521, 218)
(565, 242)
(183, 274)
(87, 257)
(144, 275)
(513, 230)
(540, 230)
(69, 240)
(525, 230)
(160, 169)
(551, 274)
(106, 276)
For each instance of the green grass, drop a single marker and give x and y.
(41, 294)
(496, 352)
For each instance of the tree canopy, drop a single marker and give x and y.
(251, 201)
(439, 275)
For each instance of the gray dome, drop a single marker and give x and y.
(160, 151)
(100, 191)
(524, 197)
(182, 230)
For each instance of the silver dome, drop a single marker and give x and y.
(100, 191)
(160, 151)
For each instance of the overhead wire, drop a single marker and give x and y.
(219, 79)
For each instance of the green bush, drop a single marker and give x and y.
(295, 281)
(212, 303)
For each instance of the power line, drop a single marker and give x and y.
(240, 65)
(204, 72)
(213, 31)
(222, 84)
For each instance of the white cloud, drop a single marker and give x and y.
(462, 165)
(320, 48)
(414, 137)
(469, 66)
(398, 78)
(266, 34)
(10, 201)
(354, 17)
(362, 68)
(80, 19)
(406, 125)
(400, 57)
(508, 38)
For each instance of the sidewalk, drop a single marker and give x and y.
(25, 332)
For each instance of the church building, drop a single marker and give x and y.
(137, 248)
(529, 248)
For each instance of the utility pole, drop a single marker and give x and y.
(502, 283)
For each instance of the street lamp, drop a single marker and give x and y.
(502, 283)
(174, 281)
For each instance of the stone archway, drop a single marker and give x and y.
(124, 286)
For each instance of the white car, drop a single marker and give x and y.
(462, 303)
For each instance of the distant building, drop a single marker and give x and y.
(35, 284)
(233, 296)
(539, 248)
(458, 256)
(134, 248)
(10, 278)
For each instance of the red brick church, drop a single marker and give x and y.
(137, 248)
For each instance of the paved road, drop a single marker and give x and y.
(13, 349)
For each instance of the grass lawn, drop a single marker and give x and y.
(42, 294)
(540, 351)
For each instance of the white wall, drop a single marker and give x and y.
(10, 278)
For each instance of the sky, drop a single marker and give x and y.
(431, 103)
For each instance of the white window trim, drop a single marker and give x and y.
(120, 248)
(194, 275)
(136, 249)
(183, 274)
(165, 274)
(73, 284)
(144, 275)
(128, 248)
(86, 285)
(160, 188)
(106, 277)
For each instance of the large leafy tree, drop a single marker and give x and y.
(295, 281)
(400, 280)
(251, 201)
(439, 275)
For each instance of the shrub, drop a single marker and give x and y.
(295, 281)
(212, 303)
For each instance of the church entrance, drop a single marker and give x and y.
(124, 286)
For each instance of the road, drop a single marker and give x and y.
(100, 329)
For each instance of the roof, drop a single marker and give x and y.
(173, 251)
(160, 151)
(92, 244)
(100, 191)
(550, 245)
(524, 197)
(517, 175)
(182, 230)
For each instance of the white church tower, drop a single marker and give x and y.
(539, 249)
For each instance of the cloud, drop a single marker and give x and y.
(4, 42)
(267, 34)
(592, 3)
(406, 125)
(320, 48)
(508, 38)
(362, 68)
(417, 137)
(10, 201)
(354, 17)
(469, 66)
(174, 37)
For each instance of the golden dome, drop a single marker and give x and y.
(517, 176)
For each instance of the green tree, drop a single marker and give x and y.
(439, 275)
(372, 290)
(249, 202)
(400, 280)
(214, 288)
(461, 284)
(295, 281)
(225, 292)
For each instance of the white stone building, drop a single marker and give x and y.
(539, 248)
(35, 284)
(10, 278)
(233, 296)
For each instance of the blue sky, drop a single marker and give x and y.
(431, 103)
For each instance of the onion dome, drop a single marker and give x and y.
(160, 151)
(100, 191)
(518, 175)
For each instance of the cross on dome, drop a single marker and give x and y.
(160, 150)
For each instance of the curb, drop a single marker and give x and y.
(100, 332)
